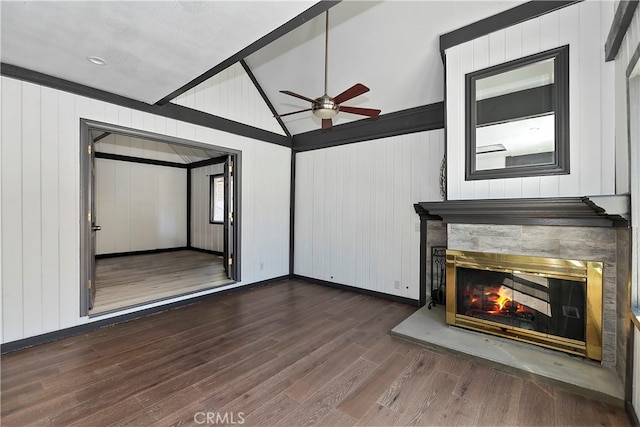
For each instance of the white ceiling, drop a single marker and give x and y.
(392, 47)
(151, 47)
(155, 47)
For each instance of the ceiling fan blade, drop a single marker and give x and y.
(362, 111)
(288, 92)
(352, 92)
(326, 123)
(293, 112)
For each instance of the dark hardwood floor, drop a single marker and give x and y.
(290, 353)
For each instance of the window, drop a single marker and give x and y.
(216, 199)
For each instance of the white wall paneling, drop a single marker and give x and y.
(31, 206)
(584, 27)
(41, 202)
(628, 172)
(203, 234)
(354, 218)
(219, 96)
(139, 206)
(12, 245)
(635, 394)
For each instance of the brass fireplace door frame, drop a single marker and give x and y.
(546, 267)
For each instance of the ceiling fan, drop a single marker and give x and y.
(326, 107)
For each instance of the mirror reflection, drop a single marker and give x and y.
(516, 118)
(502, 138)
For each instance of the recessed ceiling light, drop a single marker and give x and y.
(96, 60)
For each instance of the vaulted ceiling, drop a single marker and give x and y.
(153, 49)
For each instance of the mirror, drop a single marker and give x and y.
(517, 118)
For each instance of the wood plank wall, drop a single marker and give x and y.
(139, 206)
(584, 27)
(203, 234)
(40, 200)
(354, 218)
(218, 96)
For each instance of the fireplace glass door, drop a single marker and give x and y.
(554, 303)
(548, 305)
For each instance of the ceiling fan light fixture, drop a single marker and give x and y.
(325, 107)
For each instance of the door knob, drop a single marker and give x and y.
(96, 228)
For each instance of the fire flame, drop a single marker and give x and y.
(493, 300)
(501, 301)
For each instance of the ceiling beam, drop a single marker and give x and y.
(101, 136)
(418, 119)
(513, 16)
(264, 97)
(304, 17)
(173, 111)
(619, 26)
(208, 162)
(146, 161)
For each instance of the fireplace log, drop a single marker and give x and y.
(528, 300)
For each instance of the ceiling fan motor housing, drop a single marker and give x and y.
(325, 107)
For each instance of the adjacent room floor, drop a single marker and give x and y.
(288, 353)
(127, 281)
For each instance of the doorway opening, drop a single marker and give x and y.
(146, 234)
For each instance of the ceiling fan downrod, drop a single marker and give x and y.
(326, 50)
(326, 107)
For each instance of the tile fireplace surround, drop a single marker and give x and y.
(566, 228)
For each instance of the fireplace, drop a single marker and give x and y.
(554, 303)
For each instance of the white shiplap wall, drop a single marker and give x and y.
(40, 201)
(584, 27)
(629, 45)
(218, 96)
(635, 398)
(354, 218)
(203, 234)
(139, 206)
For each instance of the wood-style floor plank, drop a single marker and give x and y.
(321, 403)
(290, 353)
(379, 415)
(361, 399)
(126, 281)
(333, 364)
(534, 408)
(272, 411)
(500, 404)
(408, 384)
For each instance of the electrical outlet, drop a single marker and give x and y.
(396, 284)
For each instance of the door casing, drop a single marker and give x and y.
(87, 220)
